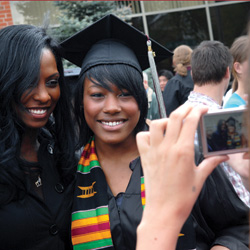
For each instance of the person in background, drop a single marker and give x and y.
(218, 139)
(153, 110)
(219, 222)
(164, 75)
(178, 88)
(234, 139)
(37, 143)
(111, 108)
(239, 51)
(240, 69)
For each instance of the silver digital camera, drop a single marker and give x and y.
(223, 131)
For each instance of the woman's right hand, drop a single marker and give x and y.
(172, 180)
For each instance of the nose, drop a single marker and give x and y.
(41, 94)
(111, 104)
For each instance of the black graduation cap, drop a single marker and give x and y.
(230, 121)
(111, 41)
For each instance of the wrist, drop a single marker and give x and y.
(158, 231)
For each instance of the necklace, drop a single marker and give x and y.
(38, 183)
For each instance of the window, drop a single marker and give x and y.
(229, 21)
(166, 5)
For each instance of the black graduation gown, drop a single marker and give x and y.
(176, 91)
(125, 218)
(32, 223)
(221, 218)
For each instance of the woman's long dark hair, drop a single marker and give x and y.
(20, 53)
(121, 75)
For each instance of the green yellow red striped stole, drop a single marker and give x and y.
(90, 228)
(143, 198)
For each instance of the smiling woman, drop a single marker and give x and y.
(111, 108)
(38, 102)
(36, 148)
(112, 114)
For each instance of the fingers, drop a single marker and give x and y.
(153, 137)
(190, 124)
(183, 123)
(175, 123)
(157, 131)
(143, 142)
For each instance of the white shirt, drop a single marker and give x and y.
(201, 99)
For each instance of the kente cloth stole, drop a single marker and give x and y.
(90, 228)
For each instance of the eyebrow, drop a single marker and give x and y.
(53, 75)
(93, 85)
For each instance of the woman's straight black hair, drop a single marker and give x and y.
(21, 48)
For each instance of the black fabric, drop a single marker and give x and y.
(110, 27)
(125, 218)
(33, 172)
(35, 223)
(221, 218)
(177, 91)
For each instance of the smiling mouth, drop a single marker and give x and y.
(112, 124)
(37, 111)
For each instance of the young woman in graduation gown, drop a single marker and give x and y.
(111, 107)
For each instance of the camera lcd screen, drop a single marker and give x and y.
(224, 132)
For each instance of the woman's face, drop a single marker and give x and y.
(242, 70)
(163, 82)
(112, 116)
(38, 103)
(245, 70)
(231, 128)
(223, 126)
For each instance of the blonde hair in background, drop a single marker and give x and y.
(181, 59)
(239, 51)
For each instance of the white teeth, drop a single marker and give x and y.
(37, 111)
(112, 124)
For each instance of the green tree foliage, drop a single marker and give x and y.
(76, 15)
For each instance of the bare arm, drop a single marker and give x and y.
(172, 180)
(241, 165)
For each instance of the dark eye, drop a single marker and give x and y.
(52, 83)
(125, 94)
(97, 95)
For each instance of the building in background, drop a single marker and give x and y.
(170, 22)
(5, 14)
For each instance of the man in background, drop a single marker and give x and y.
(221, 216)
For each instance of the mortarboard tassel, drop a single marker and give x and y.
(156, 83)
